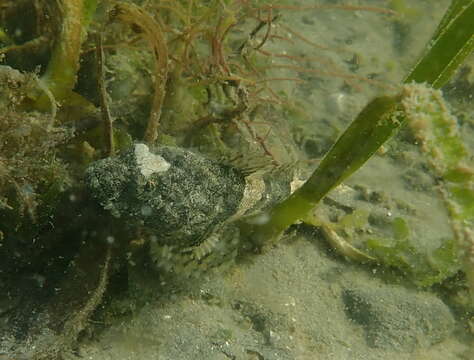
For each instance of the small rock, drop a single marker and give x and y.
(398, 319)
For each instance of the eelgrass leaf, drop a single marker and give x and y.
(452, 42)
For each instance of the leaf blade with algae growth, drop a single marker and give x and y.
(448, 48)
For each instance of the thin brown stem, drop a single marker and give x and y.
(336, 74)
(154, 33)
(338, 7)
(105, 110)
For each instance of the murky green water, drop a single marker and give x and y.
(142, 256)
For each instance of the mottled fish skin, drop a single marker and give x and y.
(182, 201)
(185, 200)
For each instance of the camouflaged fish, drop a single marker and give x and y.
(186, 201)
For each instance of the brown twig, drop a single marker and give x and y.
(105, 111)
(338, 7)
(268, 22)
(309, 42)
(296, 80)
(218, 57)
(320, 59)
(154, 33)
(380, 84)
(261, 141)
(256, 29)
